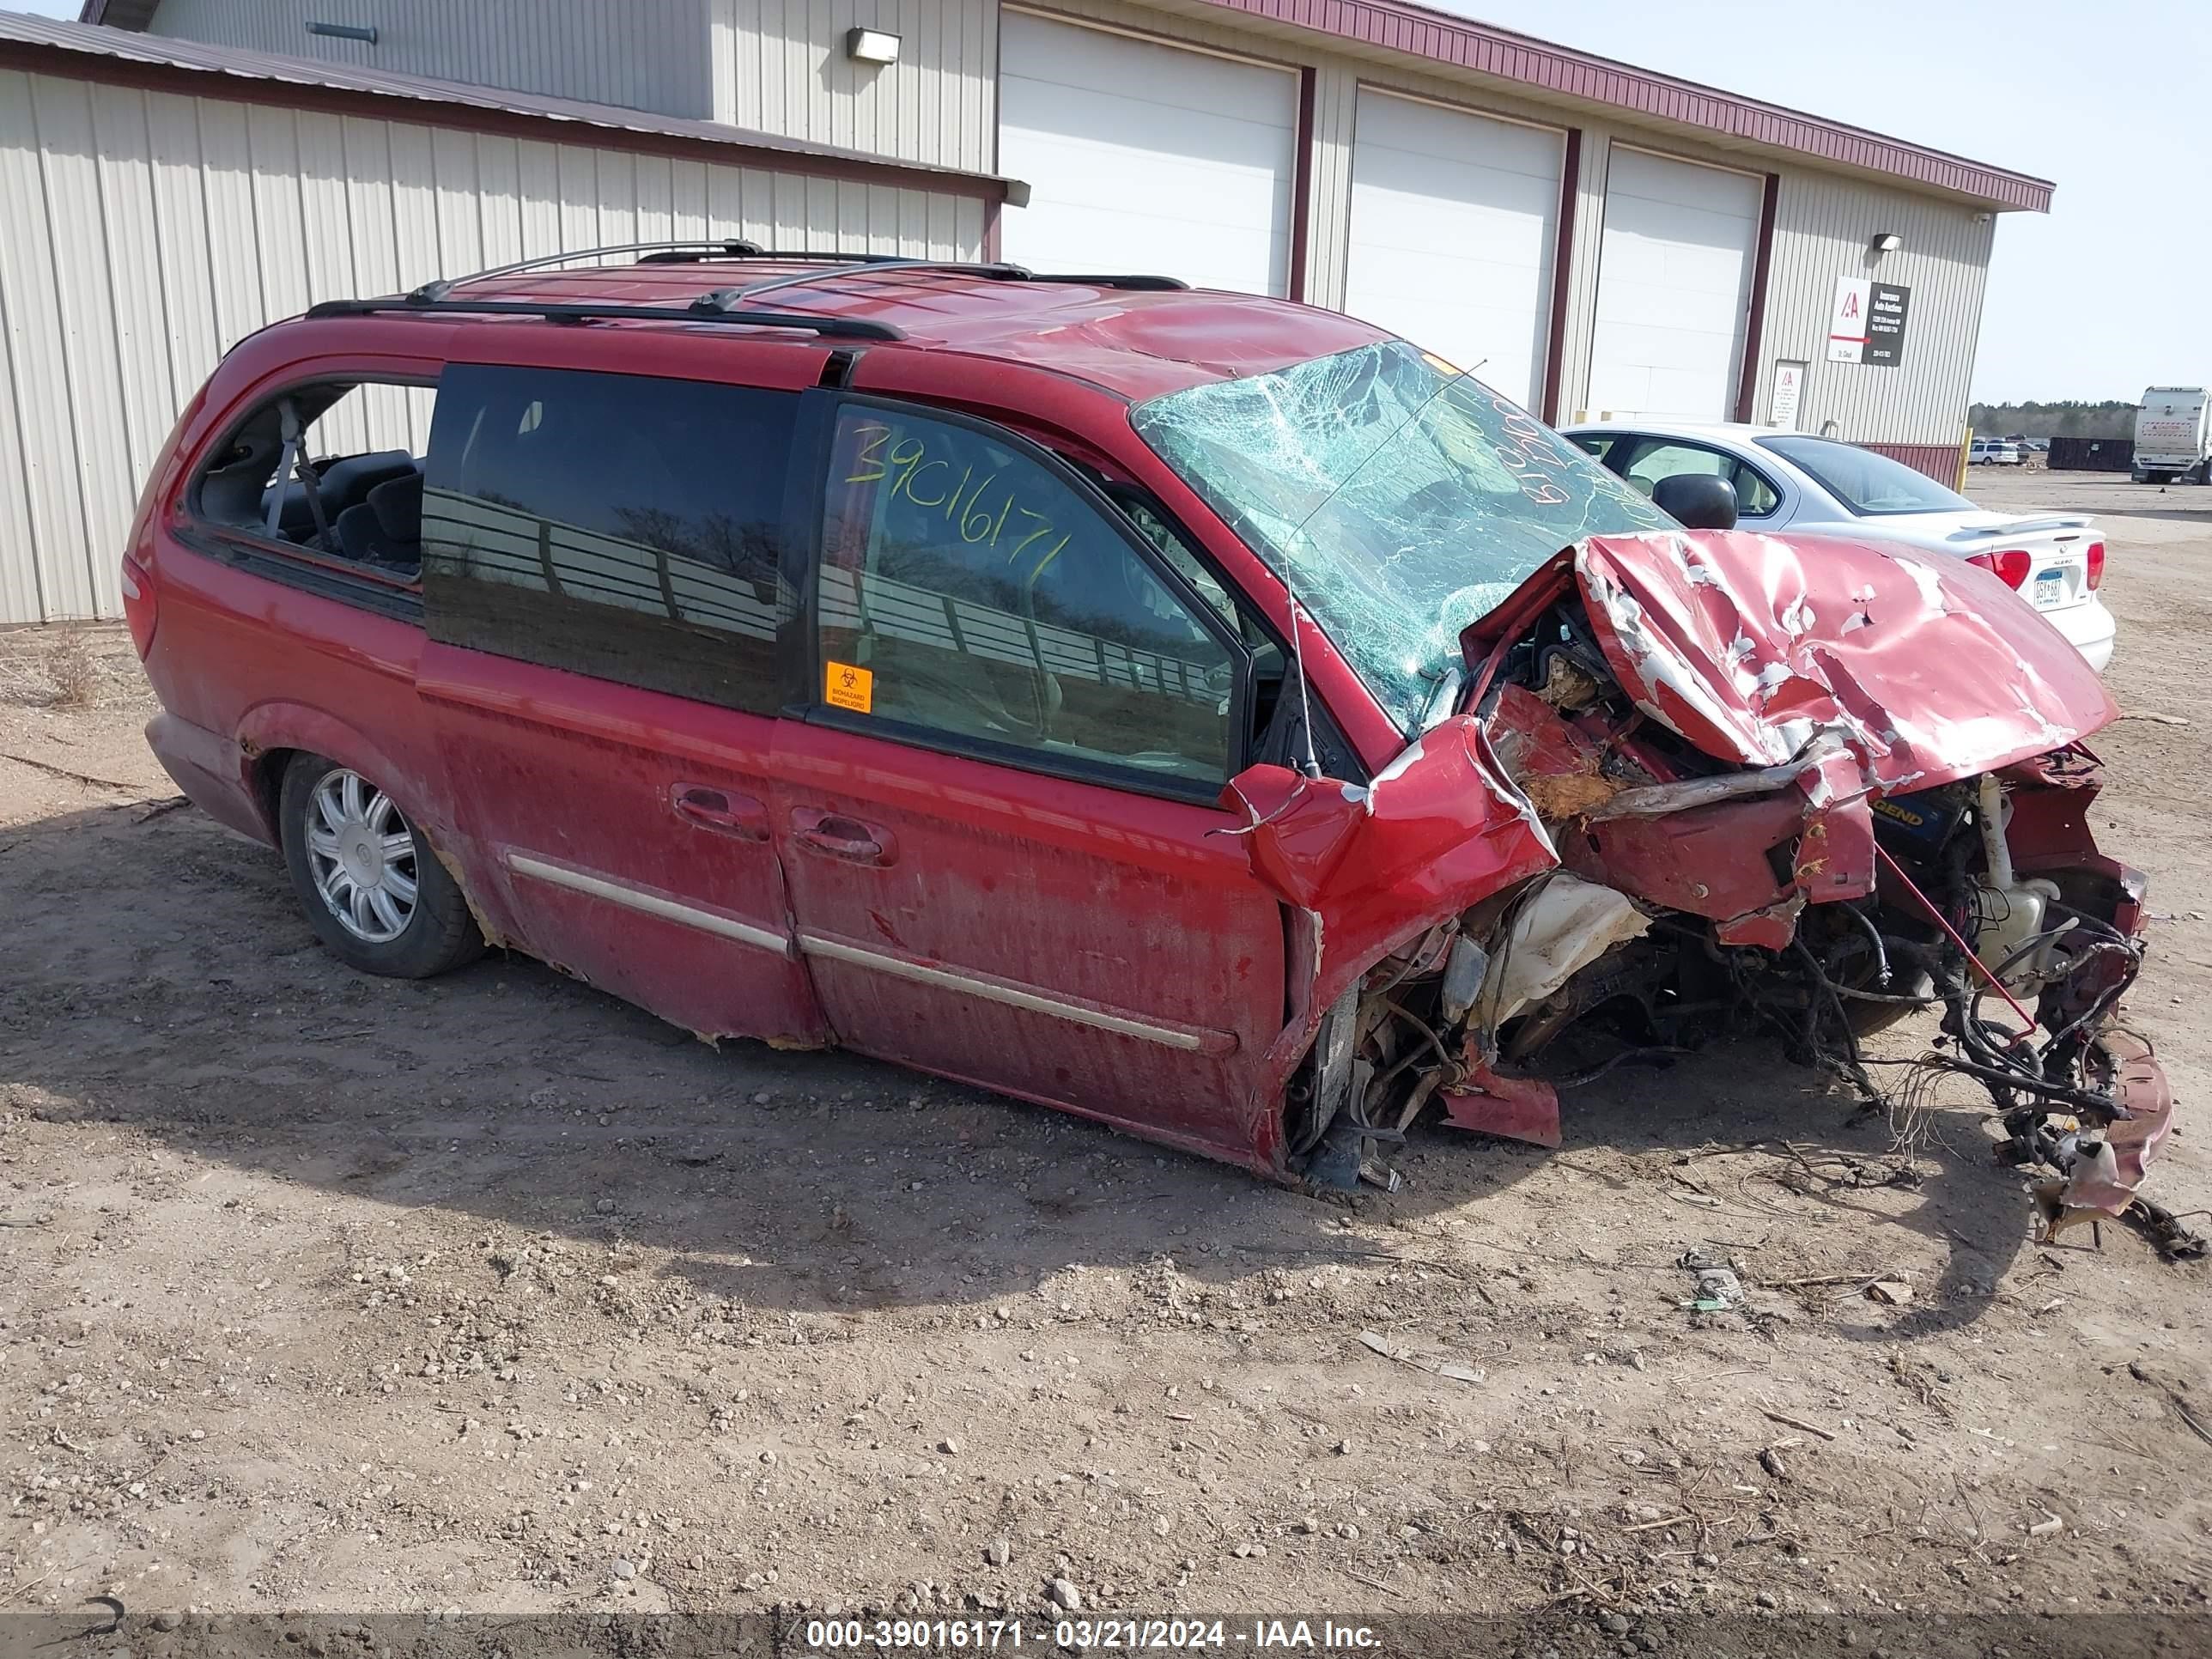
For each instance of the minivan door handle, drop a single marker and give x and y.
(841, 837)
(725, 814)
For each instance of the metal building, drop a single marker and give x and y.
(160, 201)
(1596, 238)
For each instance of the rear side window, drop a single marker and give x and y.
(618, 525)
(1650, 459)
(969, 589)
(331, 467)
(1868, 483)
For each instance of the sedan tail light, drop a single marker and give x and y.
(2012, 565)
(2096, 556)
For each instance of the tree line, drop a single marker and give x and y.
(2071, 419)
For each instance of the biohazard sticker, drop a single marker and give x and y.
(845, 686)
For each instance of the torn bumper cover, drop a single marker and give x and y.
(1708, 782)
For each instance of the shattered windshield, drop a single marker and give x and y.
(1399, 499)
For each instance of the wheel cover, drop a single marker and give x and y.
(362, 853)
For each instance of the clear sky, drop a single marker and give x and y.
(2111, 291)
(2112, 98)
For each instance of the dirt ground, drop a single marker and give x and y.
(319, 1291)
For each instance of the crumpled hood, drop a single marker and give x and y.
(1929, 667)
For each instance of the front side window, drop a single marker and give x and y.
(1869, 484)
(1399, 499)
(968, 590)
(620, 525)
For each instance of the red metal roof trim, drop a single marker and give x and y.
(1485, 50)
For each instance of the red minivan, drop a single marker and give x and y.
(1202, 712)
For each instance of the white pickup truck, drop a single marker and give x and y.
(2172, 440)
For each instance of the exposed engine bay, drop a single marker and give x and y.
(1691, 896)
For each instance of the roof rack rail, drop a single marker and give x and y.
(720, 304)
(688, 248)
(1138, 280)
(998, 269)
(683, 254)
(691, 250)
(718, 308)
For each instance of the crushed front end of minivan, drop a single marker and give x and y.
(1704, 783)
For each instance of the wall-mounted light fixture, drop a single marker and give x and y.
(344, 31)
(872, 45)
(1888, 242)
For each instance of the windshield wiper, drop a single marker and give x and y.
(1446, 681)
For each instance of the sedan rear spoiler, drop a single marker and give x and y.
(2020, 527)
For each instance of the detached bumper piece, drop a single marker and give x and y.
(2100, 1170)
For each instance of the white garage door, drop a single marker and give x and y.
(1454, 221)
(1144, 158)
(1674, 287)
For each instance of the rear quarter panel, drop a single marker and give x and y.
(257, 663)
(266, 667)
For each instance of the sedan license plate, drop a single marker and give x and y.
(2049, 586)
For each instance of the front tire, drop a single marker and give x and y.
(372, 889)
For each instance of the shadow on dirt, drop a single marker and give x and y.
(160, 976)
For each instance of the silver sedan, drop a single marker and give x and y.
(1786, 481)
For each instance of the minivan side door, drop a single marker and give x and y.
(601, 557)
(1006, 853)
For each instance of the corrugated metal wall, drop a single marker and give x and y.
(641, 54)
(146, 233)
(779, 66)
(1328, 209)
(1823, 225)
